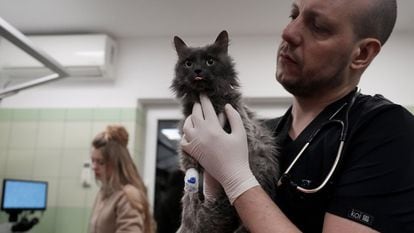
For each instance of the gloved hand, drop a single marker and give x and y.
(223, 155)
(211, 187)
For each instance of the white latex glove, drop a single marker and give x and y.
(223, 155)
(211, 187)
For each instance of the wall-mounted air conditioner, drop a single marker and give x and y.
(88, 55)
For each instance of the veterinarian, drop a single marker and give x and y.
(347, 159)
(121, 204)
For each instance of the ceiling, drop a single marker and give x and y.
(143, 18)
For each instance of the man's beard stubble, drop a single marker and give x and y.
(312, 87)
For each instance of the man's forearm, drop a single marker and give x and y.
(260, 214)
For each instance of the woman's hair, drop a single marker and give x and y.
(112, 143)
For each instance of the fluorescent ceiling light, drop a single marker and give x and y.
(171, 134)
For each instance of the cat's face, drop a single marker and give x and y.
(207, 69)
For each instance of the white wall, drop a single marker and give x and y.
(145, 69)
(391, 74)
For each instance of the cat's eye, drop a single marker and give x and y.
(188, 64)
(210, 62)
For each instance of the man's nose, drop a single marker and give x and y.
(292, 33)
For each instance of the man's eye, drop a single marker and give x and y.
(318, 28)
(210, 62)
(294, 13)
(188, 64)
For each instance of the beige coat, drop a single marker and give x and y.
(115, 214)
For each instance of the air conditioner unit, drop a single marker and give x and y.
(88, 55)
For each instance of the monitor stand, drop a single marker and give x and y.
(13, 215)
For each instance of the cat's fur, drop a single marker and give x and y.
(210, 70)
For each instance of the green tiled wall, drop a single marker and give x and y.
(51, 145)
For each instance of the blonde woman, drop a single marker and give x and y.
(121, 204)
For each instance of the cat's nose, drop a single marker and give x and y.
(197, 71)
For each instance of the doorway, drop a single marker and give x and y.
(169, 179)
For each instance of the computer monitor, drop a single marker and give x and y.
(23, 195)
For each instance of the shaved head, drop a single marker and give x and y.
(375, 19)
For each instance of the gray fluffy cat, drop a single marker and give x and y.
(210, 70)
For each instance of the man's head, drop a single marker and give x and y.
(329, 43)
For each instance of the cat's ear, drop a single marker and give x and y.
(179, 45)
(222, 41)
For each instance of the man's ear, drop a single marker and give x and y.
(365, 52)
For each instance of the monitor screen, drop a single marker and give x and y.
(24, 195)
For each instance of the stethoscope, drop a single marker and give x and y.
(285, 177)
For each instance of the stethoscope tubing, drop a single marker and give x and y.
(333, 168)
(338, 154)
